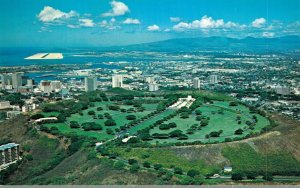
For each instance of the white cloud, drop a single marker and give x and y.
(174, 19)
(49, 14)
(268, 34)
(204, 23)
(167, 30)
(118, 9)
(131, 21)
(110, 25)
(259, 22)
(86, 22)
(153, 28)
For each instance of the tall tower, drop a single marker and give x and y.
(17, 79)
(196, 83)
(117, 81)
(90, 83)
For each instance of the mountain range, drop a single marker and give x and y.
(249, 44)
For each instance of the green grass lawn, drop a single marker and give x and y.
(118, 116)
(226, 122)
(150, 121)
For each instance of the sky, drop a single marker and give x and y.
(93, 23)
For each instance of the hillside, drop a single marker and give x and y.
(67, 158)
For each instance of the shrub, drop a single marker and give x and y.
(238, 131)
(192, 173)
(146, 164)
(109, 122)
(119, 165)
(237, 176)
(91, 113)
(74, 124)
(134, 168)
(157, 166)
(178, 170)
(132, 161)
(131, 117)
(37, 116)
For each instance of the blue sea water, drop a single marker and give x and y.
(16, 57)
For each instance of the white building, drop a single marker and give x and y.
(4, 105)
(30, 82)
(45, 86)
(282, 90)
(153, 87)
(6, 81)
(55, 86)
(150, 79)
(213, 79)
(17, 79)
(196, 83)
(117, 81)
(11, 114)
(90, 84)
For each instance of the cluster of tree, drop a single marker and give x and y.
(167, 126)
(193, 128)
(214, 134)
(87, 126)
(110, 122)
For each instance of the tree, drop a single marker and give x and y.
(74, 124)
(251, 175)
(61, 118)
(237, 176)
(198, 112)
(37, 116)
(192, 173)
(146, 164)
(268, 177)
(204, 122)
(132, 161)
(178, 170)
(131, 117)
(109, 131)
(145, 136)
(175, 133)
(99, 108)
(184, 115)
(119, 165)
(134, 168)
(238, 131)
(157, 166)
(109, 122)
(91, 113)
(233, 103)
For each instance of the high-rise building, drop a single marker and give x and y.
(196, 83)
(45, 86)
(6, 81)
(30, 82)
(17, 79)
(90, 83)
(117, 81)
(24, 80)
(213, 79)
(153, 87)
(55, 85)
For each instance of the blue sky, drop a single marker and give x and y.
(81, 23)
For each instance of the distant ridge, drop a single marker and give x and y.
(248, 44)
